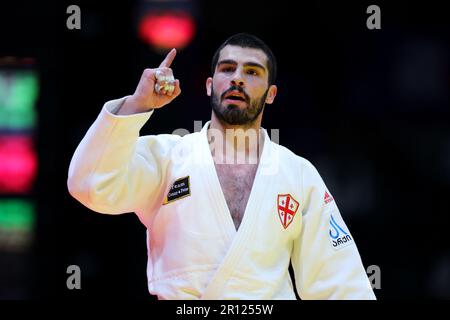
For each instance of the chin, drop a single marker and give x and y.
(232, 106)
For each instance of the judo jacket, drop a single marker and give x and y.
(194, 249)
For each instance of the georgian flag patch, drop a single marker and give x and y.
(287, 207)
(339, 235)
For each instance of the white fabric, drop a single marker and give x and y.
(194, 250)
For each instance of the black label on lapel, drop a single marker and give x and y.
(179, 189)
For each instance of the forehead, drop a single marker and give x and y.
(243, 55)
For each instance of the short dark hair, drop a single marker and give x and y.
(246, 40)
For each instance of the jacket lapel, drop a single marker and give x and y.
(236, 239)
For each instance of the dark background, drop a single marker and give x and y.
(369, 108)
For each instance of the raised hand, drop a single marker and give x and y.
(157, 87)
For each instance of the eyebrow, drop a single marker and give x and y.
(248, 64)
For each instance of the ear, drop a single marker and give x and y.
(271, 94)
(209, 86)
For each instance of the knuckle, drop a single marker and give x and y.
(166, 71)
(147, 72)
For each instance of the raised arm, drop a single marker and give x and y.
(115, 171)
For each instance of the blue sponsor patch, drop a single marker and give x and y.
(339, 235)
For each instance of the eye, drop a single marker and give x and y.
(227, 69)
(252, 72)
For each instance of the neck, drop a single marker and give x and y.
(235, 144)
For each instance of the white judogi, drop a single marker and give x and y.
(194, 250)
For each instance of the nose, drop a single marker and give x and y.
(237, 79)
(239, 83)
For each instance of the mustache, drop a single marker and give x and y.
(235, 88)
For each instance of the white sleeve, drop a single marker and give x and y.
(113, 171)
(325, 259)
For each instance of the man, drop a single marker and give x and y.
(224, 215)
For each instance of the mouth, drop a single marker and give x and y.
(235, 96)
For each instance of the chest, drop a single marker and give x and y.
(236, 182)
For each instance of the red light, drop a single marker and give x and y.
(167, 30)
(18, 164)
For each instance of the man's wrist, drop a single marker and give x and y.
(130, 106)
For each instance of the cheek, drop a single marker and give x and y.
(258, 92)
(219, 81)
(256, 85)
(218, 87)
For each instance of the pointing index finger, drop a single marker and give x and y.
(168, 59)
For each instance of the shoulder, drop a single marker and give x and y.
(301, 162)
(308, 171)
(165, 143)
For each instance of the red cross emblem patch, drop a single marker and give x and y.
(287, 207)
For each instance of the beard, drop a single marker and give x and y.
(232, 114)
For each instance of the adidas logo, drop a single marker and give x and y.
(327, 198)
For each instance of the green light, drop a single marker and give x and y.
(16, 214)
(18, 94)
